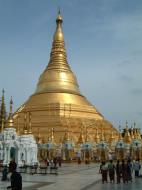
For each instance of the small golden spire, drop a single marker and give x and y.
(81, 137)
(10, 122)
(127, 137)
(52, 134)
(86, 135)
(30, 123)
(49, 135)
(138, 134)
(135, 134)
(120, 136)
(25, 124)
(132, 134)
(2, 125)
(112, 137)
(39, 139)
(66, 136)
(18, 129)
(97, 137)
(102, 136)
(3, 109)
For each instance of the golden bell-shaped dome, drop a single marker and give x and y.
(57, 97)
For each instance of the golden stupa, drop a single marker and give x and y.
(57, 102)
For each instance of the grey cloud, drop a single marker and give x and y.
(137, 91)
(139, 113)
(126, 78)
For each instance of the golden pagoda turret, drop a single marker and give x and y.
(2, 110)
(57, 88)
(135, 134)
(30, 123)
(132, 134)
(10, 122)
(87, 139)
(127, 137)
(81, 137)
(112, 137)
(102, 136)
(97, 137)
(52, 134)
(25, 125)
(18, 129)
(120, 137)
(2, 125)
(138, 134)
(66, 136)
(39, 139)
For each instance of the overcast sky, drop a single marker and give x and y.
(104, 46)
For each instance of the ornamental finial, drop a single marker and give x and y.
(59, 18)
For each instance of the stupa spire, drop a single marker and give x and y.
(25, 124)
(97, 137)
(30, 123)
(10, 122)
(2, 109)
(81, 137)
(58, 36)
(52, 134)
(18, 129)
(112, 137)
(58, 76)
(127, 137)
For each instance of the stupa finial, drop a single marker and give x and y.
(59, 18)
(11, 105)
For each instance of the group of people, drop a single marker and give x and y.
(54, 162)
(122, 171)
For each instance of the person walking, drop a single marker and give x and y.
(137, 167)
(124, 171)
(16, 178)
(4, 174)
(111, 171)
(129, 170)
(118, 172)
(104, 171)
